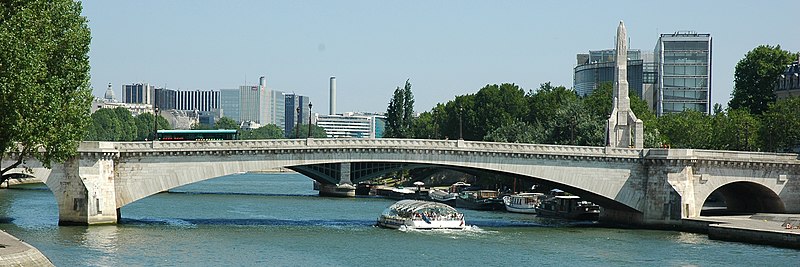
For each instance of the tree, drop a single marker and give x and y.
(755, 78)
(780, 129)
(460, 120)
(269, 131)
(544, 101)
(571, 125)
(424, 126)
(144, 126)
(44, 80)
(105, 126)
(226, 123)
(127, 131)
(400, 113)
(518, 132)
(498, 105)
(687, 129)
(316, 132)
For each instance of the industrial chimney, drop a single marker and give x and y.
(262, 82)
(333, 95)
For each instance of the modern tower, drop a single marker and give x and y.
(333, 96)
(624, 129)
(683, 64)
(138, 93)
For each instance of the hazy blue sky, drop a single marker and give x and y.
(446, 48)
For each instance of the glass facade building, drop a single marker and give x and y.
(166, 99)
(292, 102)
(598, 67)
(138, 93)
(229, 103)
(683, 63)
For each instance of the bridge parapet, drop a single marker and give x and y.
(451, 145)
(723, 156)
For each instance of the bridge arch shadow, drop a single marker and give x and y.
(478, 173)
(742, 198)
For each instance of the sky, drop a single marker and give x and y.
(444, 48)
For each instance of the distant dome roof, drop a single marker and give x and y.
(109, 93)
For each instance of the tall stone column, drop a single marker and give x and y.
(623, 129)
(86, 193)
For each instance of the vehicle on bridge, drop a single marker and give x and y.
(423, 215)
(197, 135)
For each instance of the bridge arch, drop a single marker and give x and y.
(746, 197)
(656, 183)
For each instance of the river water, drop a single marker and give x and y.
(278, 220)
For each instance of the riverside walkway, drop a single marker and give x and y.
(760, 228)
(15, 252)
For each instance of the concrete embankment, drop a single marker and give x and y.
(20, 181)
(14, 252)
(765, 229)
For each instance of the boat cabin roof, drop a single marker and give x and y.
(410, 205)
(528, 194)
(568, 197)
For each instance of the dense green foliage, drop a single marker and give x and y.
(269, 131)
(400, 113)
(119, 125)
(780, 125)
(44, 79)
(226, 123)
(755, 78)
(505, 113)
(302, 131)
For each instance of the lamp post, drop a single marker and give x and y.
(155, 122)
(309, 119)
(297, 127)
(460, 127)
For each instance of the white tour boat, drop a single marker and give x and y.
(418, 214)
(523, 202)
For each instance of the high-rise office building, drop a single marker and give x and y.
(683, 63)
(276, 109)
(197, 100)
(292, 116)
(229, 103)
(352, 125)
(166, 99)
(253, 102)
(137, 93)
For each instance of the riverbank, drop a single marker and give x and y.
(20, 181)
(763, 229)
(14, 252)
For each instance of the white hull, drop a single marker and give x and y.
(522, 203)
(396, 223)
(528, 210)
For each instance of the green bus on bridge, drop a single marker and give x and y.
(197, 135)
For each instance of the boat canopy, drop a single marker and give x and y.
(408, 207)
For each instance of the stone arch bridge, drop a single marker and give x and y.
(639, 186)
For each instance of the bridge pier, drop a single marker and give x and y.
(87, 196)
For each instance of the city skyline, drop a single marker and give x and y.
(444, 48)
